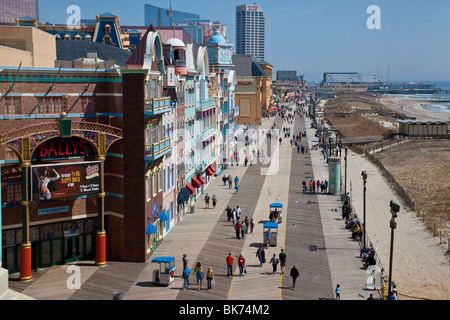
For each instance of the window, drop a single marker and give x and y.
(12, 105)
(87, 104)
(10, 155)
(153, 89)
(160, 180)
(13, 193)
(53, 105)
(154, 184)
(148, 187)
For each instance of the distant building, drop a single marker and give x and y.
(251, 31)
(160, 17)
(12, 9)
(352, 77)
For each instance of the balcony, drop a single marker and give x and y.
(156, 106)
(206, 104)
(207, 133)
(157, 150)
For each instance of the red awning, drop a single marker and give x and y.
(196, 183)
(210, 171)
(200, 178)
(190, 187)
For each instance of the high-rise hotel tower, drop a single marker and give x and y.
(251, 31)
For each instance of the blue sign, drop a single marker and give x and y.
(45, 211)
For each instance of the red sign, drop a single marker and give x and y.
(62, 148)
(245, 83)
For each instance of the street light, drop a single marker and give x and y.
(364, 177)
(345, 183)
(395, 208)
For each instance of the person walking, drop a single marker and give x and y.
(252, 225)
(185, 260)
(338, 292)
(229, 260)
(230, 182)
(237, 228)
(274, 261)
(234, 215)
(207, 201)
(209, 278)
(186, 275)
(294, 274)
(237, 188)
(229, 213)
(214, 201)
(251, 160)
(241, 264)
(261, 256)
(282, 257)
(245, 161)
(243, 226)
(198, 270)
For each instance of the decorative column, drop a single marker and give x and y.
(100, 252)
(25, 247)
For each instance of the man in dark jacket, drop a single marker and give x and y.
(294, 274)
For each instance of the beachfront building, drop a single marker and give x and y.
(253, 91)
(251, 31)
(62, 160)
(145, 146)
(220, 55)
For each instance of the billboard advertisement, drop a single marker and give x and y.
(55, 181)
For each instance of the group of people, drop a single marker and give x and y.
(229, 179)
(207, 199)
(241, 227)
(321, 186)
(199, 273)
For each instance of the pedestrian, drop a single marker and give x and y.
(274, 261)
(209, 278)
(185, 260)
(214, 201)
(236, 180)
(261, 256)
(237, 188)
(338, 292)
(186, 275)
(229, 213)
(238, 213)
(245, 161)
(243, 230)
(282, 257)
(200, 274)
(294, 274)
(247, 223)
(229, 260)
(237, 228)
(251, 160)
(304, 185)
(234, 213)
(206, 201)
(230, 182)
(198, 270)
(241, 264)
(252, 225)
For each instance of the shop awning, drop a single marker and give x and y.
(190, 188)
(200, 178)
(163, 216)
(151, 229)
(195, 182)
(210, 171)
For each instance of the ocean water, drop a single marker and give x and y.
(438, 106)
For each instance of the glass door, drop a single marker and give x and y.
(72, 249)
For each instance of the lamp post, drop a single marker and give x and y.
(364, 177)
(345, 182)
(395, 208)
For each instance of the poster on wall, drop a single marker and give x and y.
(57, 181)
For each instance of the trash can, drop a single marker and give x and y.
(192, 209)
(117, 295)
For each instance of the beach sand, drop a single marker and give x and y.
(413, 108)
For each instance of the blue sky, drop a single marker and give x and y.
(313, 36)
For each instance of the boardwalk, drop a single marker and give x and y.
(311, 233)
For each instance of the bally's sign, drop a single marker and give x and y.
(63, 148)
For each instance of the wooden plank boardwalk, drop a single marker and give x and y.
(313, 237)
